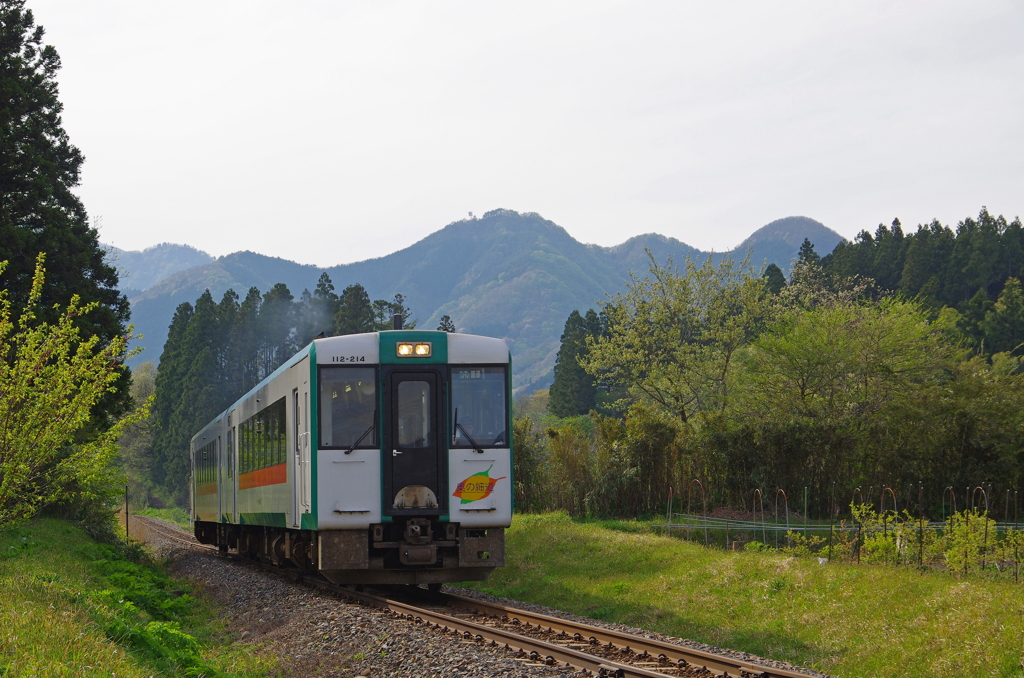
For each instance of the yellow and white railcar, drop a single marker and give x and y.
(372, 458)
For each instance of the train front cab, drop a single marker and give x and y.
(440, 453)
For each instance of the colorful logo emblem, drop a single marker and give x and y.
(476, 487)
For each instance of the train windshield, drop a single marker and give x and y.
(480, 405)
(348, 402)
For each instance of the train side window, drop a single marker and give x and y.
(348, 403)
(262, 438)
(206, 463)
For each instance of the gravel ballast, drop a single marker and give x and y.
(315, 633)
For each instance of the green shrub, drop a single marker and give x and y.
(970, 541)
(803, 544)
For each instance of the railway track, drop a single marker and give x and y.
(531, 636)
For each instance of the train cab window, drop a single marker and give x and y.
(348, 403)
(479, 402)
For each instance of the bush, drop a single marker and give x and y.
(528, 460)
(970, 542)
(53, 378)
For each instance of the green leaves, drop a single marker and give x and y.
(49, 383)
(839, 360)
(1003, 326)
(822, 384)
(673, 337)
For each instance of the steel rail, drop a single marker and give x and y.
(166, 530)
(539, 650)
(673, 652)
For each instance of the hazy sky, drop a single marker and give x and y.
(329, 132)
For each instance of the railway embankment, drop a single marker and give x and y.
(838, 618)
(73, 606)
(489, 639)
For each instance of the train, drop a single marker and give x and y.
(376, 458)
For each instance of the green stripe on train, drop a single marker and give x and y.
(266, 519)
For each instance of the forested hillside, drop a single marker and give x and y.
(966, 269)
(894, 362)
(506, 274)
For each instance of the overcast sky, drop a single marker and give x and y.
(330, 132)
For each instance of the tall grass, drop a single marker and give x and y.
(73, 606)
(844, 619)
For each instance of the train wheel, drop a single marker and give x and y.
(300, 554)
(434, 587)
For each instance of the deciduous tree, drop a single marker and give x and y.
(853, 358)
(51, 376)
(673, 336)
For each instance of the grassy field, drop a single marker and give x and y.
(70, 606)
(847, 620)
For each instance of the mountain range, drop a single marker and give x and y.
(140, 270)
(505, 274)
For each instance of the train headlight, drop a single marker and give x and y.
(417, 350)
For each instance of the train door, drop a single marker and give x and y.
(192, 487)
(221, 478)
(304, 472)
(415, 473)
(296, 455)
(229, 487)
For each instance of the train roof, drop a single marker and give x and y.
(381, 348)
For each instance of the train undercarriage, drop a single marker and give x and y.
(406, 551)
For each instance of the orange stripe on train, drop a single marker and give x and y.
(272, 475)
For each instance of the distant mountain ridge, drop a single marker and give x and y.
(505, 274)
(141, 269)
(778, 242)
